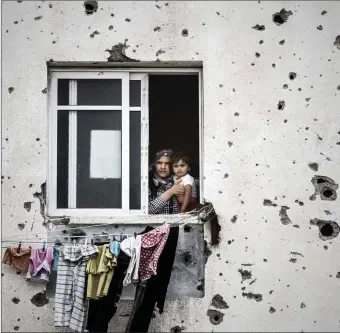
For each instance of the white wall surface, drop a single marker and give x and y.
(268, 157)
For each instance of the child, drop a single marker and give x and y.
(181, 166)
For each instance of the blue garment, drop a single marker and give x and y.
(114, 248)
(55, 259)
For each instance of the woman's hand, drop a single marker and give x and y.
(178, 188)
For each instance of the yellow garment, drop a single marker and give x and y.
(100, 272)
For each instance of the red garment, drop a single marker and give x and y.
(191, 206)
(151, 248)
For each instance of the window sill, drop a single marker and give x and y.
(175, 219)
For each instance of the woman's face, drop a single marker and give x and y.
(163, 167)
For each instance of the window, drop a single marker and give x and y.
(99, 139)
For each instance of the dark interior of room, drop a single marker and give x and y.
(174, 116)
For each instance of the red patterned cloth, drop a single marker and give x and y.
(151, 248)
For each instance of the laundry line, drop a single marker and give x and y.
(40, 240)
(190, 214)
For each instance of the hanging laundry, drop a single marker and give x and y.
(100, 271)
(152, 244)
(132, 246)
(55, 259)
(115, 248)
(70, 301)
(17, 257)
(40, 264)
(153, 291)
(102, 311)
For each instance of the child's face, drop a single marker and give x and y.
(181, 168)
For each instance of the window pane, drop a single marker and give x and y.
(63, 92)
(135, 92)
(99, 92)
(135, 160)
(99, 151)
(62, 159)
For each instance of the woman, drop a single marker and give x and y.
(162, 190)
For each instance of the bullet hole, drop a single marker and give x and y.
(50, 5)
(271, 310)
(117, 53)
(127, 20)
(37, 139)
(281, 17)
(284, 216)
(230, 143)
(16, 328)
(39, 299)
(338, 275)
(338, 87)
(281, 42)
(225, 176)
(236, 114)
(293, 260)
(292, 75)
(90, 7)
(281, 105)
(160, 51)
(38, 18)
(327, 229)
(325, 187)
(325, 247)
(285, 86)
(176, 329)
(234, 219)
(308, 99)
(215, 317)
(44, 91)
(253, 64)
(157, 29)
(259, 27)
(299, 202)
(337, 42)
(273, 65)
(21, 226)
(257, 55)
(246, 275)
(15, 300)
(328, 212)
(319, 27)
(303, 305)
(218, 302)
(94, 33)
(187, 258)
(187, 228)
(261, 41)
(267, 202)
(10, 89)
(110, 27)
(185, 32)
(200, 287)
(256, 297)
(323, 12)
(28, 205)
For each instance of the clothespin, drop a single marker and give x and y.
(121, 236)
(92, 241)
(135, 234)
(19, 247)
(74, 242)
(44, 245)
(85, 241)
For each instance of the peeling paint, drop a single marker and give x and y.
(284, 216)
(259, 27)
(256, 297)
(267, 202)
(219, 303)
(337, 42)
(90, 7)
(314, 166)
(117, 53)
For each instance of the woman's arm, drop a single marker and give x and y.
(187, 196)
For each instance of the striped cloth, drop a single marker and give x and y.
(70, 297)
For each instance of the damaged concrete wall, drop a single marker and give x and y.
(271, 148)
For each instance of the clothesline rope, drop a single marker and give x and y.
(15, 238)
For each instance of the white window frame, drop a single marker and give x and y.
(125, 74)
